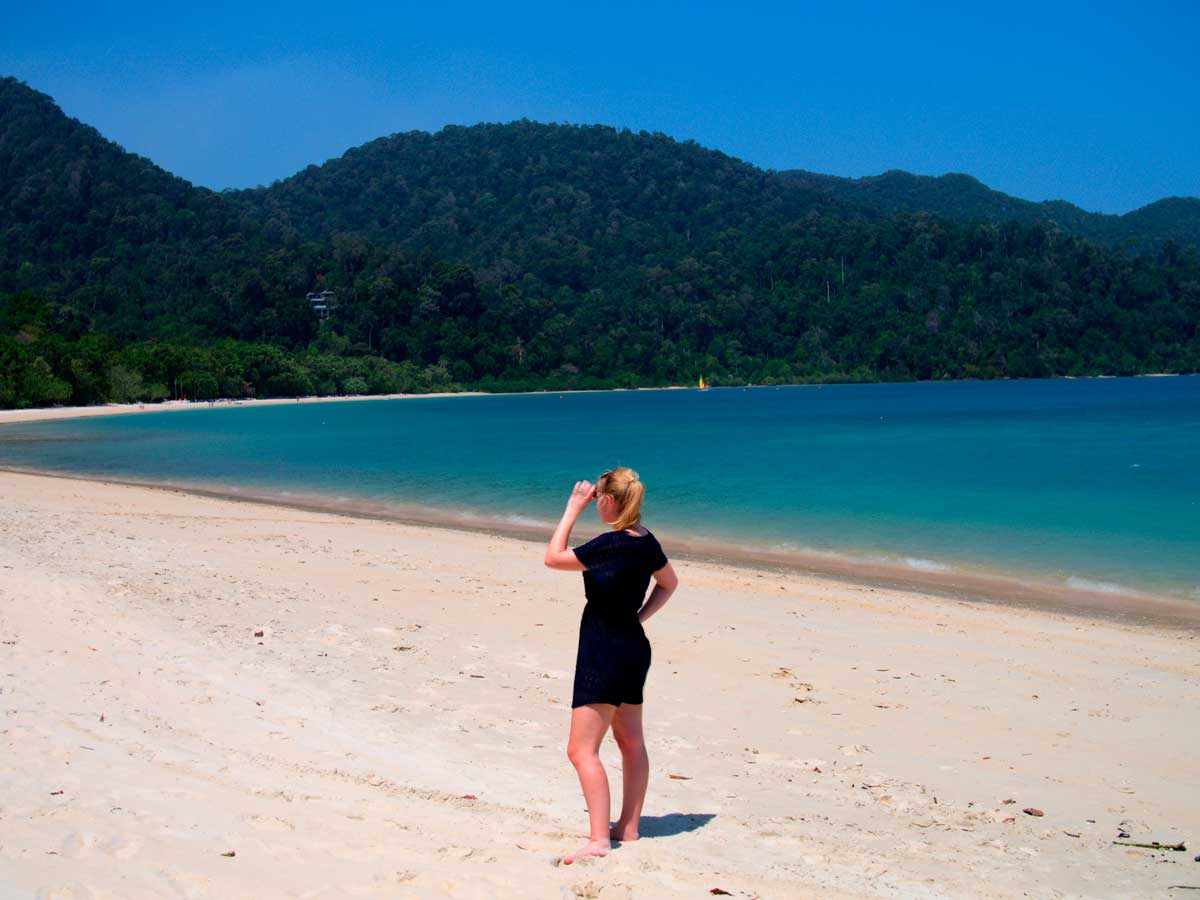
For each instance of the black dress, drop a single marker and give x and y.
(614, 654)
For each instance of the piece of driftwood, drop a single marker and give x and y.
(1153, 845)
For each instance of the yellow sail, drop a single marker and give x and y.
(701, 382)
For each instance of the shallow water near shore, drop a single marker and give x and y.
(1091, 486)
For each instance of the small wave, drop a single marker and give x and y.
(925, 565)
(527, 520)
(804, 550)
(1100, 587)
(484, 518)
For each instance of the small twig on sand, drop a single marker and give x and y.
(1153, 845)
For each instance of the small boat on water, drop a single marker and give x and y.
(703, 386)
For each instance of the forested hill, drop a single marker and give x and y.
(68, 195)
(529, 256)
(962, 198)
(568, 203)
(482, 192)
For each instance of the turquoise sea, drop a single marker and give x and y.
(1090, 483)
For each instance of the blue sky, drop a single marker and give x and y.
(1094, 103)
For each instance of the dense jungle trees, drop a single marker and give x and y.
(526, 256)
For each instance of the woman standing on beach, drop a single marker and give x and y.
(614, 655)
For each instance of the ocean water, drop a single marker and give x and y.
(1090, 483)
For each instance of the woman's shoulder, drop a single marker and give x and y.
(649, 542)
(646, 534)
(639, 536)
(604, 539)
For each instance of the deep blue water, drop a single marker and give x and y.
(1094, 480)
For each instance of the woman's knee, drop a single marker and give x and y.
(580, 753)
(630, 743)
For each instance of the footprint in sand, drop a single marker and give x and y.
(121, 847)
(591, 890)
(269, 823)
(854, 749)
(363, 852)
(803, 690)
(428, 884)
(77, 844)
(65, 892)
(185, 884)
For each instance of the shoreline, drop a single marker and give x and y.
(975, 586)
(58, 413)
(55, 413)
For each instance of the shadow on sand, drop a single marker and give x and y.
(672, 823)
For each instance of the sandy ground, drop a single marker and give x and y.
(52, 413)
(398, 729)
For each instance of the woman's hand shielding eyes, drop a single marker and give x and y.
(583, 493)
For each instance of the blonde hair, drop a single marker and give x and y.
(623, 485)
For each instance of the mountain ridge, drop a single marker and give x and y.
(964, 198)
(530, 256)
(956, 196)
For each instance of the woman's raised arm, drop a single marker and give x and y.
(557, 554)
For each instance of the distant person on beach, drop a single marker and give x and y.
(614, 654)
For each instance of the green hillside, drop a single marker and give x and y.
(962, 198)
(527, 256)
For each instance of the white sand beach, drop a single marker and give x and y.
(398, 727)
(54, 413)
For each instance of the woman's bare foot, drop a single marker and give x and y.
(623, 832)
(591, 848)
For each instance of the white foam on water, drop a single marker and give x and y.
(1100, 587)
(787, 547)
(468, 515)
(925, 565)
(528, 520)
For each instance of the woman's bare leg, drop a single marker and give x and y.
(589, 724)
(627, 729)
